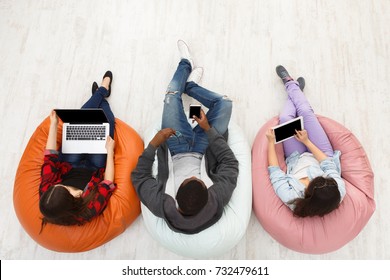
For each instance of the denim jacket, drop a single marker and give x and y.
(288, 188)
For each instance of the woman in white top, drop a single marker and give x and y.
(312, 185)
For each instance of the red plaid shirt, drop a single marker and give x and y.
(53, 170)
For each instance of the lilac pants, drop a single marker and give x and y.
(295, 106)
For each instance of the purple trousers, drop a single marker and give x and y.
(295, 106)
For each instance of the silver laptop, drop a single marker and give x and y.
(84, 131)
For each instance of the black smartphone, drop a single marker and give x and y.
(194, 111)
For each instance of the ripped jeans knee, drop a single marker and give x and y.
(171, 92)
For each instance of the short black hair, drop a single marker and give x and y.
(192, 196)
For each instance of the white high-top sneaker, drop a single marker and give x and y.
(196, 75)
(185, 52)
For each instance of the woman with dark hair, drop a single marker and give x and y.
(312, 185)
(76, 187)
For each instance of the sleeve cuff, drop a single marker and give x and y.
(327, 163)
(212, 133)
(50, 152)
(150, 150)
(109, 183)
(272, 169)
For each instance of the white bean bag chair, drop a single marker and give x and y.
(228, 231)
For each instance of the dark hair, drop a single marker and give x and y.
(192, 196)
(59, 206)
(322, 196)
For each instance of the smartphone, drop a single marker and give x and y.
(194, 110)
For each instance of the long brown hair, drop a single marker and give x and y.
(322, 196)
(59, 206)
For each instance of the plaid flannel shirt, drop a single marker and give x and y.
(52, 172)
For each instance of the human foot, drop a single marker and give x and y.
(301, 82)
(185, 52)
(94, 87)
(107, 80)
(283, 74)
(196, 75)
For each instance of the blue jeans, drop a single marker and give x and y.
(93, 161)
(218, 115)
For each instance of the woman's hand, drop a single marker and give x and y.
(270, 135)
(202, 121)
(110, 166)
(110, 145)
(301, 136)
(51, 143)
(53, 118)
(272, 156)
(162, 136)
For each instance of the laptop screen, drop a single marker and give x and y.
(91, 116)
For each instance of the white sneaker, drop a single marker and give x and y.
(196, 75)
(185, 52)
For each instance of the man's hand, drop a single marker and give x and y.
(202, 121)
(162, 136)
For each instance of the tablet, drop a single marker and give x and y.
(286, 130)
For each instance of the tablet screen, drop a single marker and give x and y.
(286, 130)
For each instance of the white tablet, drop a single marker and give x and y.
(286, 130)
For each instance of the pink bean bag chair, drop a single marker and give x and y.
(315, 235)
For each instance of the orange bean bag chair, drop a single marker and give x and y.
(315, 235)
(122, 209)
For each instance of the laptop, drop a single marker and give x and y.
(286, 130)
(84, 131)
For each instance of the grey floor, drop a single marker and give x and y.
(51, 51)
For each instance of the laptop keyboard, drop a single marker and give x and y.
(85, 132)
